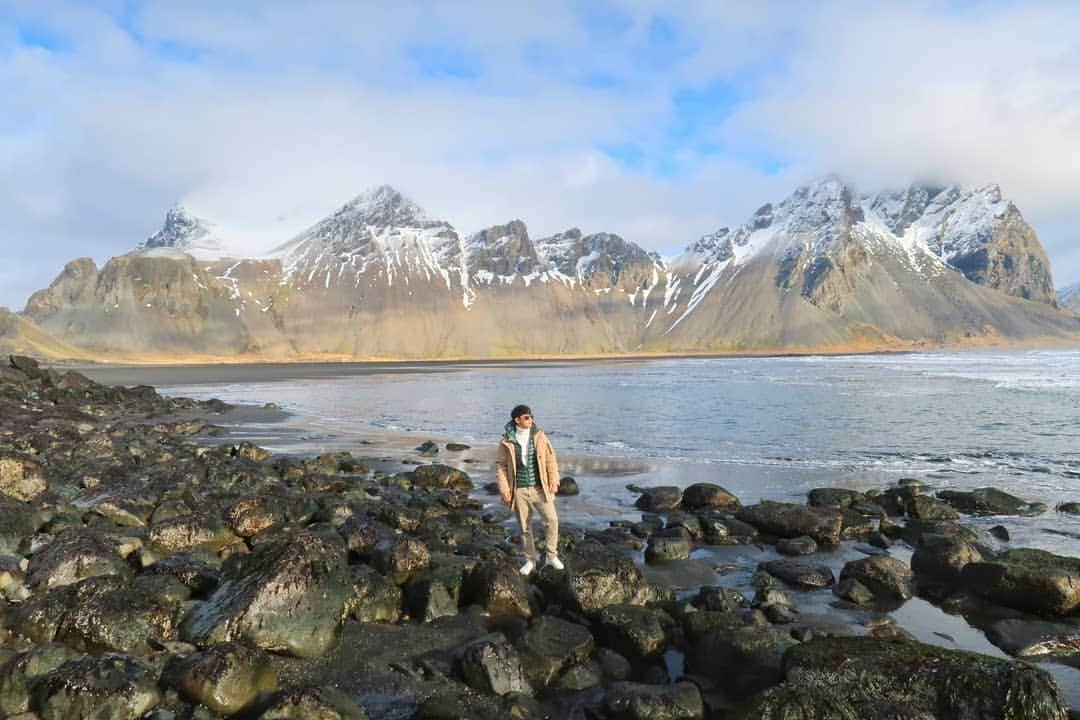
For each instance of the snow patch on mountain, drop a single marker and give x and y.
(189, 234)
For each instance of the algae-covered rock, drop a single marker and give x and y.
(659, 499)
(833, 497)
(113, 687)
(16, 523)
(632, 631)
(497, 587)
(287, 596)
(792, 520)
(990, 501)
(599, 577)
(493, 667)
(886, 577)
(708, 496)
(75, 554)
(669, 544)
(637, 701)
(375, 597)
(1027, 579)
(317, 703)
(877, 678)
(400, 557)
(227, 677)
(19, 671)
(122, 617)
(550, 646)
(187, 532)
(435, 476)
(800, 573)
(21, 478)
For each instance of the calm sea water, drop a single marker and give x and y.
(763, 427)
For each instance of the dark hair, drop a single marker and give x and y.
(520, 410)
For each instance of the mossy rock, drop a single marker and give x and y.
(879, 678)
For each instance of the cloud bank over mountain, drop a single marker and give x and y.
(653, 123)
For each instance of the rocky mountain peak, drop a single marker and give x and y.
(502, 250)
(382, 207)
(188, 233)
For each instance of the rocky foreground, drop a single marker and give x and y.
(148, 571)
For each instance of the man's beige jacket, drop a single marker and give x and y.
(506, 466)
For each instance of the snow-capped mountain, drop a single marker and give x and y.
(975, 231)
(187, 233)
(825, 268)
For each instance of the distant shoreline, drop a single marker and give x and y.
(355, 366)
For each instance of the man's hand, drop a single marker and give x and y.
(507, 498)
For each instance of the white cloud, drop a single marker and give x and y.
(274, 116)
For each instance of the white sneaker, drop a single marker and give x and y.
(527, 568)
(555, 562)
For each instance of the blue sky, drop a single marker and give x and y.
(658, 121)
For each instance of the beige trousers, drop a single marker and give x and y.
(525, 500)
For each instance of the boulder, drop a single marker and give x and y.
(75, 554)
(854, 592)
(568, 487)
(188, 532)
(921, 507)
(741, 657)
(498, 587)
(287, 596)
(198, 576)
(19, 672)
(226, 677)
(362, 534)
(633, 631)
(428, 598)
(637, 701)
(494, 668)
(1027, 579)
(317, 703)
(550, 646)
(721, 529)
(1036, 639)
(889, 579)
(669, 544)
(791, 520)
(802, 545)
(863, 677)
(800, 573)
(719, 599)
(109, 686)
(833, 497)
(428, 448)
(435, 476)
(941, 559)
(16, 523)
(21, 478)
(990, 501)
(598, 577)
(375, 597)
(251, 515)
(659, 499)
(708, 496)
(400, 557)
(108, 615)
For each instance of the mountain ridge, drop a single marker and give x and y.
(824, 267)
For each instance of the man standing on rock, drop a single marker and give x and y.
(528, 475)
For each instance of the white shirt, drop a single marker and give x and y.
(523, 440)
